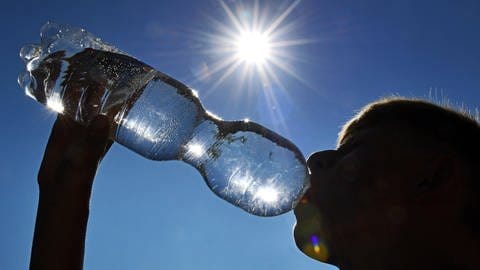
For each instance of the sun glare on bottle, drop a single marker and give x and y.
(195, 150)
(267, 194)
(55, 103)
(253, 47)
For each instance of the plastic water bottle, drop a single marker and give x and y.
(76, 74)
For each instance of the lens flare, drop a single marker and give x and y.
(316, 249)
(316, 246)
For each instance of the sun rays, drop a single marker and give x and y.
(251, 44)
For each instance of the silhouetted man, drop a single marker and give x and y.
(401, 191)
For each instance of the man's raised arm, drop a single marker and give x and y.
(65, 181)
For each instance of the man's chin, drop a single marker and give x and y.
(308, 233)
(311, 244)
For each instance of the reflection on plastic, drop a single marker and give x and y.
(74, 73)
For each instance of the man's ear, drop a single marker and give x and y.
(438, 173)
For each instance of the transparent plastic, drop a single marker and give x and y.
(76, 74)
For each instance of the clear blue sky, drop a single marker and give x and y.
(152, 215)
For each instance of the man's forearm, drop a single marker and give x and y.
(65, 180)
(60, 229)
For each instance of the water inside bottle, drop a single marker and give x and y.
(246, 164)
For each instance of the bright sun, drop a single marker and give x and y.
(253, 47)
(253, 52)
(255, 44)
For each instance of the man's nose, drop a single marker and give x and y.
(322, 160)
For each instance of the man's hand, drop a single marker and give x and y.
(65, 179)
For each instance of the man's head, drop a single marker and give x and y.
(401, 190)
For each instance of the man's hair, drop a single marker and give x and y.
(440, 123)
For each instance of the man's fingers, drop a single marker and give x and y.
(64, 134)
(79, 147)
